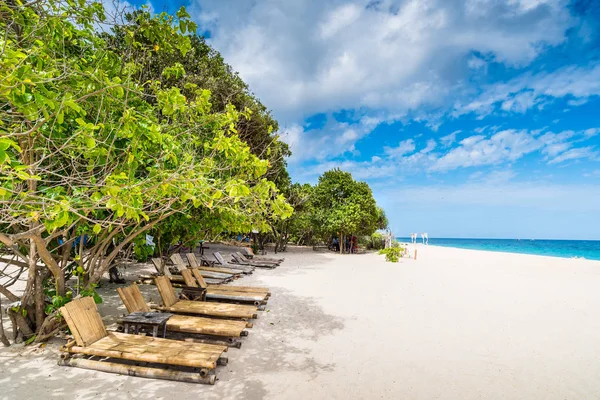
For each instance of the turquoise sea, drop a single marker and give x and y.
(588, 249)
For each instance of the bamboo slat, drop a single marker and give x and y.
(248, 295)
(222, 261)
(178, 261)
(199, 278)
(160, 268)
(230, 292)
(134, 370)
(221, 310)
(188, 278)
(133, 299)
(156, 350)
(215, 275)
(250, 253)
(206, 326)
(249, 289)
(84, 321)
(239, 259)
(166, 291)
(192, 260)
(240, 256)
(229, 271)
(195, 264)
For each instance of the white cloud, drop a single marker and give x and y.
(405, 147)
(431, 145)
(510, 145)
(575, 154)
(331, 140)
(530, 91)
(307, 57)
(449, 139)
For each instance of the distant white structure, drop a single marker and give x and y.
(425, 237)
(388, 239)
(413, 237)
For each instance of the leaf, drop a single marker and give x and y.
(97, 228)
(97, 298)
(96, 196)
(30, 340)
(90, 142)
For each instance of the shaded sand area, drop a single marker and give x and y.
(455, 324)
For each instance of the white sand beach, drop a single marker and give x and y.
(454, 324)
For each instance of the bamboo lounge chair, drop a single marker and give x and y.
(193, 262)
(92, 339)
(250, 255)
(181, 265)
(242, 294)
(246, 268)
(258, 260)
(175, 279)
(211, 309)
(222, 328)
(239, 259)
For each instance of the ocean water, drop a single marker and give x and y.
(588, 249)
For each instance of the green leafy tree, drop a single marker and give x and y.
(91, 154)
(343, 206)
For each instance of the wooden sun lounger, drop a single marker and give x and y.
(226, 288)
(193, 261)
(245, 294)
(134, 302)
(221, 261)
(181, 265)
(176, 279)
(250, 254)
(92, 339)
(239, 259)
(211, 309)
(274, 263)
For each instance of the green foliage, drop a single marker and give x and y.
(392, 254)
(376, 241)
(112, 135)
(344, 205)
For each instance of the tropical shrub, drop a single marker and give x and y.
(392, 254)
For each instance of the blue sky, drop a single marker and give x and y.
(474, 118)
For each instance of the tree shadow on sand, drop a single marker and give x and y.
(279, 342)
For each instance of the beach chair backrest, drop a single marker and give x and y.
(240, 260)
(160, 267)
(188, 278)
(220, 258)
(84, 321)
(166, 291)
(241, 257)
(192, 260)
(199, 278)
(133, 299)
(178, 261)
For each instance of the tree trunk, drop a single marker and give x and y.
(20, 324)
(341, 242)
(39, 300)
(3, 337)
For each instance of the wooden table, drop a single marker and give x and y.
(139, 319)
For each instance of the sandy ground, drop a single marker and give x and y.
(454, 324)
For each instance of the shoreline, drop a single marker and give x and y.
(508, 251)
